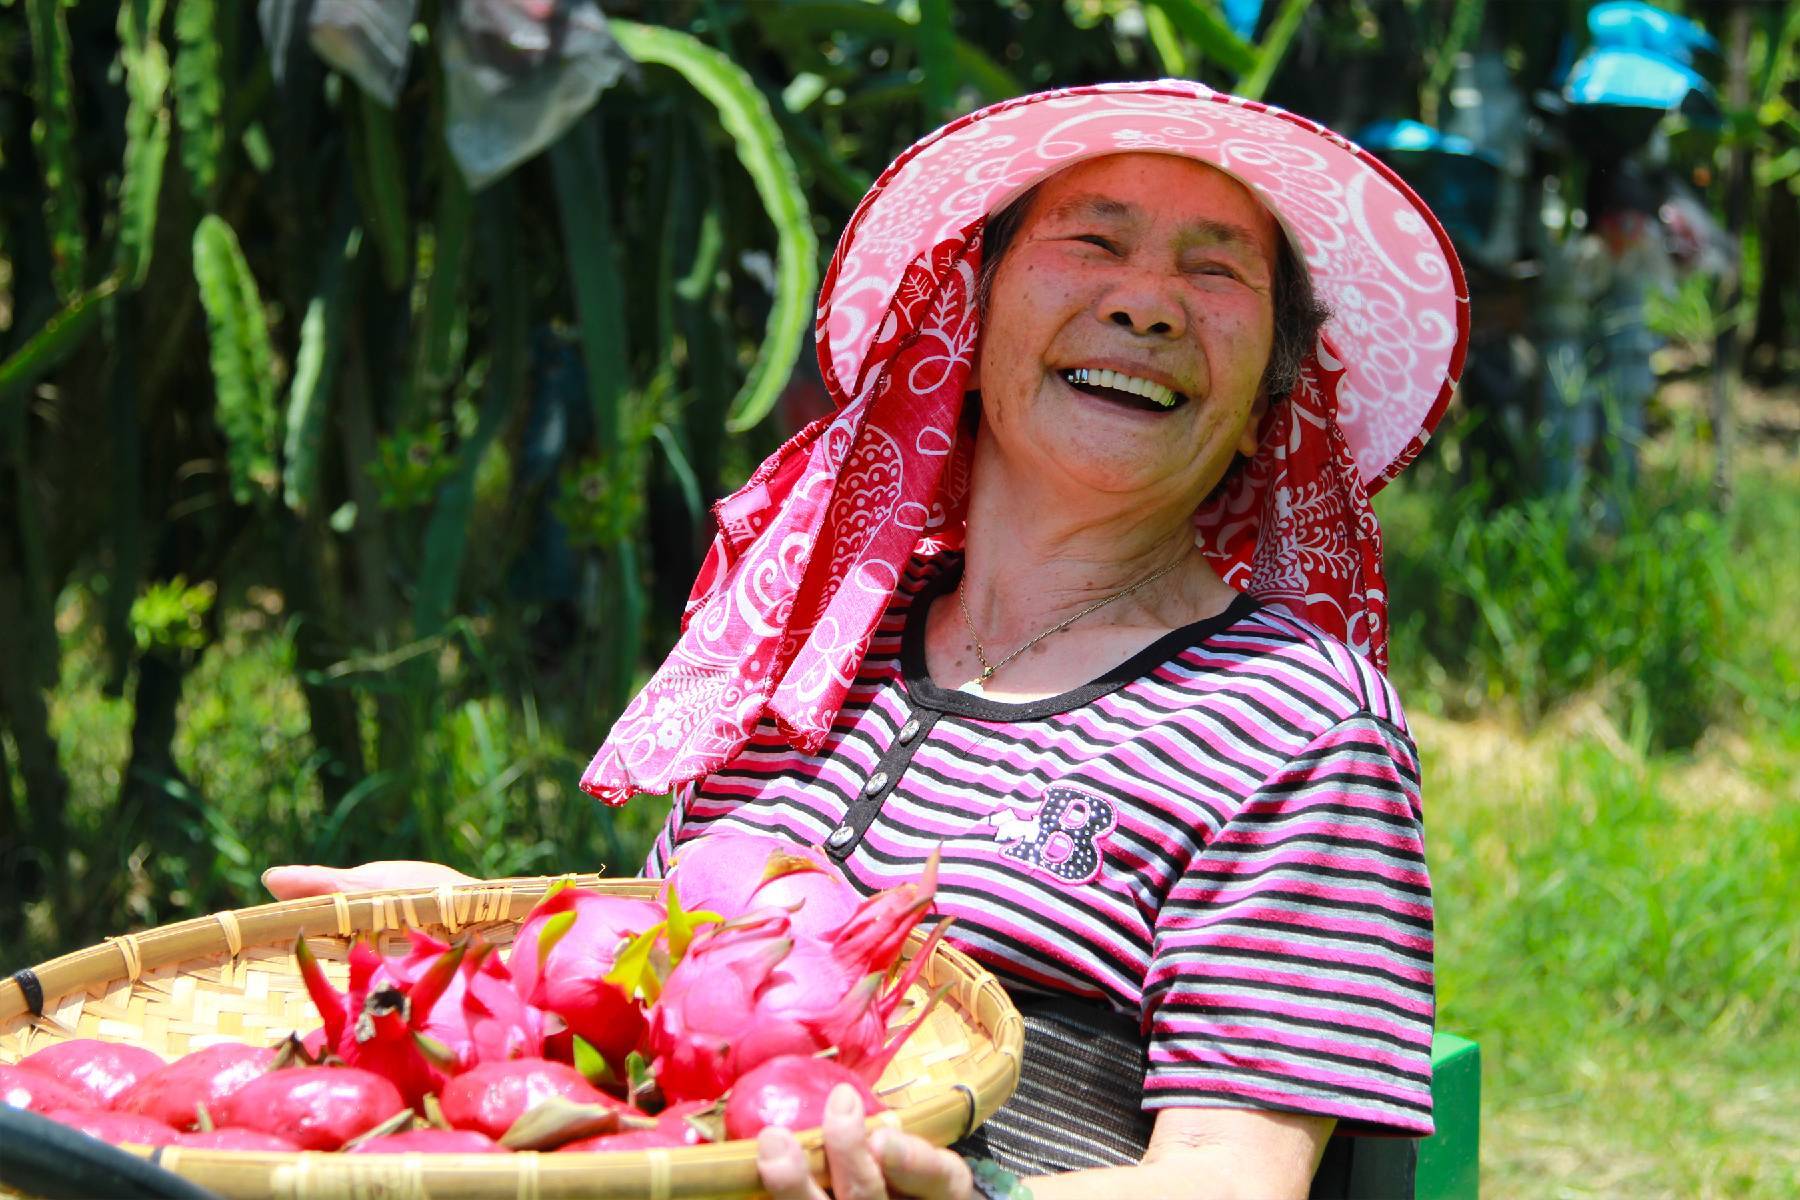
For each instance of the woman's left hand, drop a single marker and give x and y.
(864, 1165)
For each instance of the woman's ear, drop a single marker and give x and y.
(1251, 438)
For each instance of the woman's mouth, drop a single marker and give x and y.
(1130, 390)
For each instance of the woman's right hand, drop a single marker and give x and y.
(293, 882)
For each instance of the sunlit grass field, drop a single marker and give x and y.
(1619, 919)
(1619, 925)
(1622, 934)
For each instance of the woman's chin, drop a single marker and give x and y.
(1117, 472)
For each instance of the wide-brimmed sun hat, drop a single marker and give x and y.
(811, 549)
(1376, 254)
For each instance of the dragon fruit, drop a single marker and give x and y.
(430, 1141)
(101, 1069)
(673, 1130)
(116, 1127)
(479, 1018)
(789, 1091)
(708, 1001)
(818, 902)
(34, 1091)
(319, 1108)
(374, 1025)
(233, 1138)
(172, 1094)
(584, 932)
(497, 1022)
(488, 1098)
(749, 991)
(736, 873)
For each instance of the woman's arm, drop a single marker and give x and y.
(1208, 1154)
(1194, 1154)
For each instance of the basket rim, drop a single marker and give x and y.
(230, 932)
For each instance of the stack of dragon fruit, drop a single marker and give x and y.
(757, 983)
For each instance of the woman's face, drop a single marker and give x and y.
(1160, 270)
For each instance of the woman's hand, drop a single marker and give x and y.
(864, 1166)
(293, 882)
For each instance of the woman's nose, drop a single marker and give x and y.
(1146, 309)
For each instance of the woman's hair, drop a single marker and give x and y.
(1299, 312)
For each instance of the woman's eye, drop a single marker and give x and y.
(1223, 270)
(1094, 239)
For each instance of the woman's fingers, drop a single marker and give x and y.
(293, 882)
(915, 1167)
(782, 1164)
(855, 1175)
(863, 1166)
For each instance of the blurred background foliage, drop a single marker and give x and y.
(364, 381)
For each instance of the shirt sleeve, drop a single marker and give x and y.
(1292, 960)
(656, 863)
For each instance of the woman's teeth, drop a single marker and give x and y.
(1118, 381)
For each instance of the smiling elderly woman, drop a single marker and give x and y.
(1081, 587)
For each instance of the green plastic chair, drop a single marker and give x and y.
(1444, 1166)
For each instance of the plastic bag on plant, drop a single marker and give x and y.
(518, 73)
(368, 40)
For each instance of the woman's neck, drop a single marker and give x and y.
(1036, 555)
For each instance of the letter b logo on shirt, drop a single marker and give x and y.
(1067, 830)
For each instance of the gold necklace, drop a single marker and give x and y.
(988, 668)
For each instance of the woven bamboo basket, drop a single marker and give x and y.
(231, 977)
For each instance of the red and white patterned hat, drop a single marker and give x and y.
(811, 549)
(1376, 254)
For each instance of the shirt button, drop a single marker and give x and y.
(877, 781)
(909, 731)
(840, 837)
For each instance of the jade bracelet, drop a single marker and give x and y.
(994, 1182)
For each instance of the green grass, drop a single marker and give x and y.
(1619, 926)
(1621, 933)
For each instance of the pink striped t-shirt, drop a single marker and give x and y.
(1220, 838)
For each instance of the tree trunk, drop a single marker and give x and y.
(1726, 347)
(331, 710)
(30, 655)
(144, 793)
(1778, 300)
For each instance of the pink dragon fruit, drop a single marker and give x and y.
(117, 1128)
(585, 932)
(233, 1138)
(497, 1022)
(34, 1091)
(790, 1091)
(709, 1000)
(374, 1026)
(430, 1141)
(101, 1069)
(748, 991)
(173, 1094)
(673, 1130)
(480, 1017)
(736, 873)
(319, 1108)
(490, 1097)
